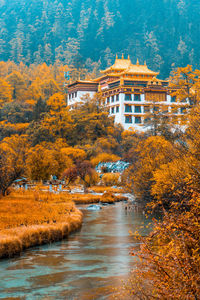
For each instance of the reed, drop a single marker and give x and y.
(27, 221)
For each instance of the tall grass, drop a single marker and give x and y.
(29, 219)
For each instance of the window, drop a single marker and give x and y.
(112, 98)
(128, 108)
(72, 95)
(138, 120)
(128, 119)
(117, 97)
(108, 100)
(137, 97)
(117, 109)
(69, 96)
(75, 94)
(112, 110)
(173, 98)
(127, 97)
(137, 109)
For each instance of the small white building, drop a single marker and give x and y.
(131, 93)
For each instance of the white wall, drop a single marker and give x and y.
(80, 94)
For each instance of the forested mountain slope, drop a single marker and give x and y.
(164, 32)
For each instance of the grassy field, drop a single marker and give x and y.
(30, 218)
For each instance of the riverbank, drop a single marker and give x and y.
(30, 219)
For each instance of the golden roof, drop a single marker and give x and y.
(125, 66)
(119, 65)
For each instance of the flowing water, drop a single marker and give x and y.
(88, 265)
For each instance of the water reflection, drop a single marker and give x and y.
(86, 266)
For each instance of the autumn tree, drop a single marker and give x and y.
(46, 159)
(186, 85)
(147, 157)
(82, 170)
(70, 175)
(12, 160)
(6, 91)
(91, 120)
(86, 174)
(58, 120)
(18, 84)
(169, 256)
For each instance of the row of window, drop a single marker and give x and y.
(129, 108)
(131, 119)
(138, 120)
(134, 97)
(72, 95)
(112, 99)
(138, 109)
(114, 109)
(137, 97)
(130, 97)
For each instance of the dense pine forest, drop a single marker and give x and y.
(163, 32)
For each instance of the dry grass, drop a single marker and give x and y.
(29, 219)
(102, 189)
(89, 198)
(84, 198)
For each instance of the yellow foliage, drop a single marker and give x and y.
(110, 179)
(170, 256)
(104, 157)
(74, 153)
(106, 144)
(150, 155)
(44, 160)
(129, 132)
(6, 91)
(170, 178)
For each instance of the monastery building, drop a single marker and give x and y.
(131, 93)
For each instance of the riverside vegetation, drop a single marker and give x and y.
(165, 174)
(42, 138)
(33, 218)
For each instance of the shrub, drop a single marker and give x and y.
(108, 197)
(104, 157)
(110, 179)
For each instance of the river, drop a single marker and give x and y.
(88, 265)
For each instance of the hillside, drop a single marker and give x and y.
(164, 32)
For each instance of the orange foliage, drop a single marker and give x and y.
(170, 256)
(104, 157)
(110, 179)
